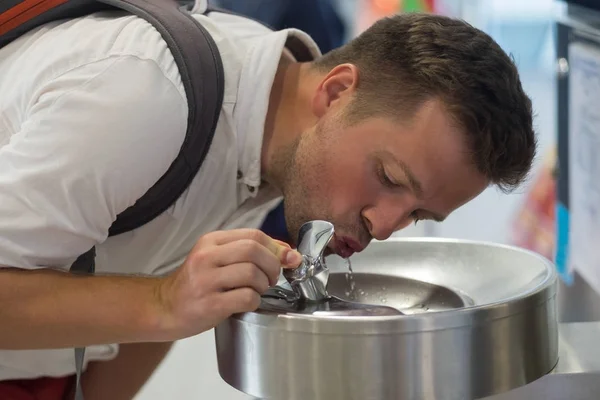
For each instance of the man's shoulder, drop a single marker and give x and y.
(63, 46)
(117, 34)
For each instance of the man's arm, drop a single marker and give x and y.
(46, 309)
(225, 273)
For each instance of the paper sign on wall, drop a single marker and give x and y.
(584, 161)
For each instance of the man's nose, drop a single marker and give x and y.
(383, 223)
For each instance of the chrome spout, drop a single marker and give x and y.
(309, 280)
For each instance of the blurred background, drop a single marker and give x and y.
(542, 216)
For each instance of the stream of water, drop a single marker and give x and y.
(354, 293)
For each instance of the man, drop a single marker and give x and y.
(409, 121)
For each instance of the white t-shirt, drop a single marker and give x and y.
(92, 113)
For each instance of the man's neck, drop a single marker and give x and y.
(289, 112)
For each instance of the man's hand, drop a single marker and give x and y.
(225, 273)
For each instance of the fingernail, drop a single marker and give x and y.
(293, 258)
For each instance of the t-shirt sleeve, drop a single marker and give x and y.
(94, 140)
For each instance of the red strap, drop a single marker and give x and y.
(25, 11)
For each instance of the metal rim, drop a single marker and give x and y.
(445, 319)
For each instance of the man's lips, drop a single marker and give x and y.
(353, 244)
(345, 246)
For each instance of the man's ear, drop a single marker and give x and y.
(335, 89)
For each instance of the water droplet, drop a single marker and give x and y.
(383, 300)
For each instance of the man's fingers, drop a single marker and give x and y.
(219, 238)
(242, 275)
(282, 243)
(287, 257)
(249, 251)
(238, 301)
(295, 258)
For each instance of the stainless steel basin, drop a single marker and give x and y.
(479, 319)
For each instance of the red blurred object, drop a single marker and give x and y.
(36, 389)
(534, 228)
(386, 7)
(370, 11)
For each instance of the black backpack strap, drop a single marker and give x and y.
(201, 70)
(85, 263)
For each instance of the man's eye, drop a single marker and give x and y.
(384, 178)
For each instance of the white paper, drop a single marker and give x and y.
(584, 161)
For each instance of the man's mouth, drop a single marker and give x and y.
(345, 246)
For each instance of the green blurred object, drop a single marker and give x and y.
(411, 5)
(416, 6)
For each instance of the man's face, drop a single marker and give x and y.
(377, 176)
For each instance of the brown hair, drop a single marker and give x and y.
(407, 59)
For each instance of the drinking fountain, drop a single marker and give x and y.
(430, 319)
